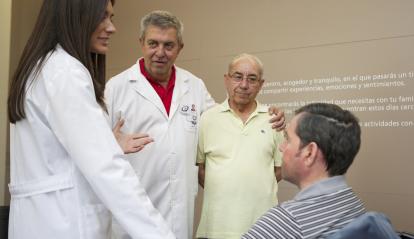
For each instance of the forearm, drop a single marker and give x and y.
(201, 174)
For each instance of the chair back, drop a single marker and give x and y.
(373, 225)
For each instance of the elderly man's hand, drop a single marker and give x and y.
(130, 143)
(278, 118)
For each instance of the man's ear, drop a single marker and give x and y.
(261, 81)
(309, 153)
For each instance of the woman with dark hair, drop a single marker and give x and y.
(68, 173)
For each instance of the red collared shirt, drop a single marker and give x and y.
(165, 94)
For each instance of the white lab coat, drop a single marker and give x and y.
(167, 166)
(67, 170)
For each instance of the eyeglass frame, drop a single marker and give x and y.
(239, 77)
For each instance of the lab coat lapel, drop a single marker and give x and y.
(145, 89)
(180, 89)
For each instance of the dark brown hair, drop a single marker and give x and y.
(336, 132)
(71, 24)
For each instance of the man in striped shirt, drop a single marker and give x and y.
(320, 144)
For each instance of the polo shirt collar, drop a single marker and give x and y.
(259, 107)
(322, 187)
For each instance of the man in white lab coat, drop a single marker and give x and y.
(156, 97)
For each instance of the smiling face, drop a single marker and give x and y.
(101, 35)
(243, 83)
(160, 48)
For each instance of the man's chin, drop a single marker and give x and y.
(157, 68)
(243, 101)
(156, 72)
(159, 65)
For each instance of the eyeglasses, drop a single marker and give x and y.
(252, 79)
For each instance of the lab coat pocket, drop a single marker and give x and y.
(44, 208)
(191, 122)
(97, 221)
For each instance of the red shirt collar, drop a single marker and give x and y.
(165, 94)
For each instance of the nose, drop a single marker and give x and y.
(160, 51)
(244, 83)
(110, 27)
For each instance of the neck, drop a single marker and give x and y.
(311, 179)
(242, 110)
(162, 79)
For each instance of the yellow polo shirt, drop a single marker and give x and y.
(240, 183)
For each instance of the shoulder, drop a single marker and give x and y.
(264, 116)
(212, 112)
(211, 116)
(59, 61)
(62, 75)
(60, 69)
(182, 74)
(132, 73)
(283, 214)
(263, 110)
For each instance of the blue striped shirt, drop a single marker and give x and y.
(315, 212)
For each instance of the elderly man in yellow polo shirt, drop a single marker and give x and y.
(239, 164)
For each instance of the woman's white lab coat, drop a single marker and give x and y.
(67, 171)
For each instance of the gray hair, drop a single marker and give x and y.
(163, 20)
(249, 57)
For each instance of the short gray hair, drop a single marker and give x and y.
(163, 20)
(249, 57)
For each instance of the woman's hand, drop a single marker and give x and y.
(130, 143)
